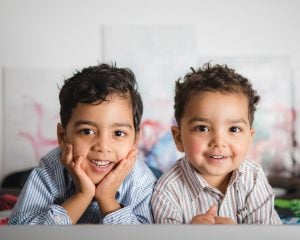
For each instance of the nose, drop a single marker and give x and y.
(102, 143)
(218, 140)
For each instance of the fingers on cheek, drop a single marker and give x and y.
(128, 163)
(78, 161)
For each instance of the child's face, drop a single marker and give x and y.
(215, 133)
(102, 134)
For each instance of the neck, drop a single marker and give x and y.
(219, 182)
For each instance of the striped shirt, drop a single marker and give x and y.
(181, 193)
(49, 185)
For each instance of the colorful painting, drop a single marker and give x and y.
(296, 121)
(31, 112)
(158, 57)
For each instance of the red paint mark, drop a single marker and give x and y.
(37, 139)
(150, 133)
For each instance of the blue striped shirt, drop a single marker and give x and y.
(182, 193)
(50, 185)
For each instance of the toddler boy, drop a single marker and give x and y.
(213, 183)
(92, 177)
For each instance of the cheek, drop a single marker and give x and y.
(80, 148)
(242, 147)
(123, 151)
(193, 147)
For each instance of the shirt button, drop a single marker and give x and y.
(117, 195)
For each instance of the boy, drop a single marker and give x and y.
(212, 183)
(92, 177)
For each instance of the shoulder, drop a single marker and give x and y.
(51, 158)
(48, 176)
(50, 166)
(172, 179)
(252, 173)
(140, 175)
(251, 166)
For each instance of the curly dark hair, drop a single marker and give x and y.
(94, 84)
(215, 78)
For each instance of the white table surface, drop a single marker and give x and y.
(141, 232)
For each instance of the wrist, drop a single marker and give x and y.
(85, 197)
(108, 206)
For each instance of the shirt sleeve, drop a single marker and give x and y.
(260, 202)
(36, 203)
(135, 199)
(164, 210)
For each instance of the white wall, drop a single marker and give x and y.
(63, 33)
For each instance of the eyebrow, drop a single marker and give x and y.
(240, 120)
(87, 122)
(197, 119)
(234, 121)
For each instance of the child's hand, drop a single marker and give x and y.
(210, 217)
(206, 218)
(224, 220)
(81, 180)
(107, 188)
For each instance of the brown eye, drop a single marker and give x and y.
(235, 129)
(119, 133)
(201, 128)
(87, 131)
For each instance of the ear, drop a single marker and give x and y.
(61, 136)
(137, 139)
(176, 132)
(252, 132)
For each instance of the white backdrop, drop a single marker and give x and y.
(47, 35)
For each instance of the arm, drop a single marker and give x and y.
(108, 187)
(85, 188)
(133, 202)
(135, 208)
(38, 201)
(164, 210)
(260, 202)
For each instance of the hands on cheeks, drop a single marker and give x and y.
(81, 180)
(210, 217)
(109, 185)
(106, 190)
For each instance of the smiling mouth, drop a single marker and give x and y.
(217, 157)
(101, 163)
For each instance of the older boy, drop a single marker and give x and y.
(213, 183)
(92, 177)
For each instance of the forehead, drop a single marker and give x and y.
(217, 105)
(114, 108)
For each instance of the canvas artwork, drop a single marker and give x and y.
(158, 57)
(296, 120)
(31, 112)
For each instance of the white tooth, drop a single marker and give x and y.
(100, 163)
(217, 157)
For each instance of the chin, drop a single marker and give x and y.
(96, 181)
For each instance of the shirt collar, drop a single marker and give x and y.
(196, 182)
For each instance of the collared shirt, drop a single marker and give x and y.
(50, 185)
(182, 193)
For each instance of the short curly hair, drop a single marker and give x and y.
(94, 84)
(217, 78)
